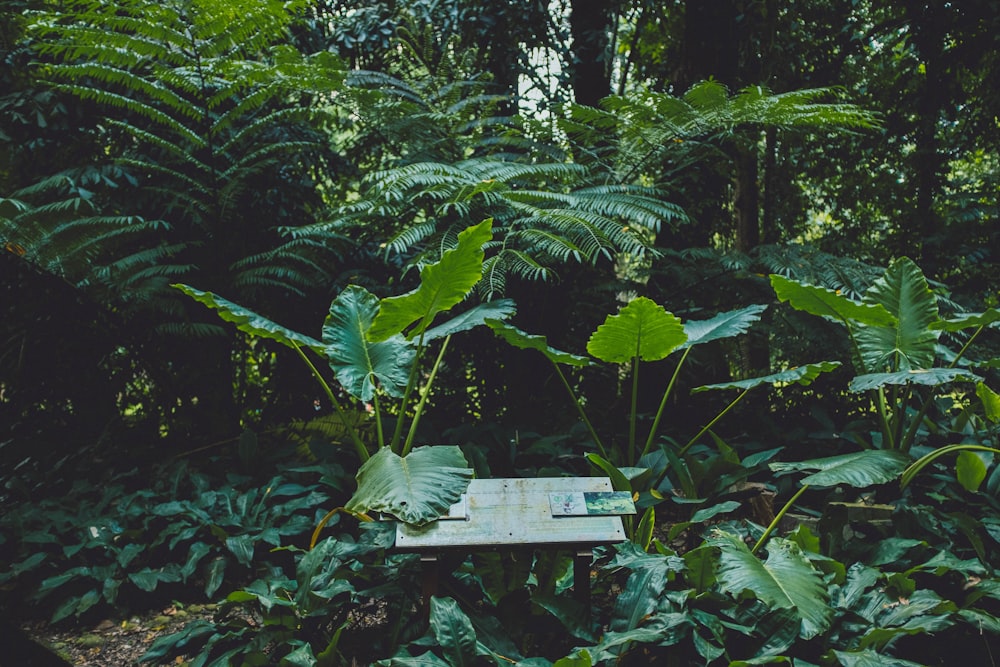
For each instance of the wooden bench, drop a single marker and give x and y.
(574, 513)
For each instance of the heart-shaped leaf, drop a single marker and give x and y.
(641, 329)
(417, 488)
(358, 363)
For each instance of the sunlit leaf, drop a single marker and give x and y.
(828, 303)
(970, 470)
(497, 310)
(968, 321)
(642, 329)
(443, 285)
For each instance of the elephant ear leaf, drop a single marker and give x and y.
(803, 375)
(250, 322)
(358, 363)
(500, 309)
(931, 377)
(827, 303)
(642, 329)
(968, 321)
(417, 488)
(910, 343)
(723, 325)
(786, 580)
(858, 469)
(442, 285)
(453, 632)
(526, 341)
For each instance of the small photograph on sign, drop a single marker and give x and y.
(591, 503)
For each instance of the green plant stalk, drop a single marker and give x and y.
(423, 399)
(376, 406)
(777, 519)
(888, 443)
(634, 410)
(690, 443)
(926, 459)
(663, 405)
(355, 438)
(579, 409)
(411, 381)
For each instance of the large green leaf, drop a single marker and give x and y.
(453, 631)
(723, 325)
(497, 310)
(526, 341)
(785, 581)
(803, 375)
(925, 376)
(358, 363)
(910, 343)
(250, 322)
(968, 321)
(970, 470)
(442, 285)
(860, 469)
(641, 329)
(828, 303)
(417, 488)
(871, 658)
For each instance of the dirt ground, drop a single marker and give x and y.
(108, 643)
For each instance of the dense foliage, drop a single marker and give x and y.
(275, 268)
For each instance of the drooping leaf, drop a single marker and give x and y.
(250, 322)
(358, 363)
(910, 343)
(497, 310)
(803, 375)
(453, 631)
(968, 321)
(859, 469)
(442, 285)
(417, 488)
(723, 325)
(970, 470)
(786, 580)
(931, 377)
(619, 482)
(642, 329)
(526, 341)
(828, 303)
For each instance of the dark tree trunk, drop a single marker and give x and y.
(591, 29)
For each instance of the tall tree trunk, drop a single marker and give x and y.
(591, 28)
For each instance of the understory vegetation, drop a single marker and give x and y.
(280, 274)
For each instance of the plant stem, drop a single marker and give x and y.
(635, 404)
(378, 419)
(411, 381)
(663, 404)
(579, 409)
(774, 523)
(351, 431)
(713, 422)
(423, 399)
